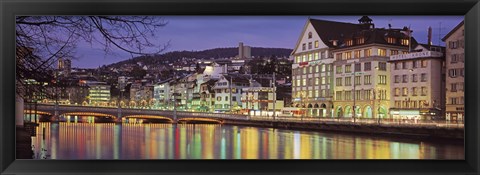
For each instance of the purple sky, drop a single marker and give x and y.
(206, 32)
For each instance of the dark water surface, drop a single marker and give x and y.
(213, 141)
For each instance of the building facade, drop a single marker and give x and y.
(455, 70)
(228, 92)
(417, 84)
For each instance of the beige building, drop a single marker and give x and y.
(417, 84)
(362, 72)
(455, 67)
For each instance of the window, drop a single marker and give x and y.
(348, 81)
(424, 63)
(348, 55)
(382, 52)
(357, 94)
(404, 79)
(360, 40)
(316, 94)
(316, 44)
(382, 79)
(357, 80)
(397, 65)
(322, 68)
(316, 56)
(391, 40)
(424, 91)
(323, 92)
(234, 98)
(226, 98)
(397, 92)
(424, 77)
(405, 91)
(304, 70)
(349, 42)
(393, 52)
(304, 46)
(310, 94)
(453, 101)
(414, 78)
(398, 104)
(414, 64)
(452, 73)
(367, 66)
(324, 80)
(404, 65)
(298, 83)
(367, 94)
(304, 83)
(310, 57)
(453, 87)
(338, 95)
(309, 35)
(316, 81)
(382, 66)
(348, 95)
(404, 52)
(397, 78)
(339, 70)
(316, 68)
(414, 91)
(358, 67)
(367, 52)
(310, 69)
(338, 81)
(310, 45)
(338, 56)
(348, 68)
(404, 42)
(367, 79)
(356, 53)
(219, 98)
(322, 54)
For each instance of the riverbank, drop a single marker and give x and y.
(374, 129)
(23, 143)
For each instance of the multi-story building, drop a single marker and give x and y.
(207, 96)
(161, 94)
(226, 101)
(312, 70)
(362, 71)
(98, 93)
(417, 83)
(455, 68)
(260, 101)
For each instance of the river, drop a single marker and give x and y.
(214, 141)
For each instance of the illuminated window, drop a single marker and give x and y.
(357, 80)
(348, 95)
(356, 54)
(316, 44)
(382, 52)
(414, 91)
(310, 57)
(348, 68)
(339, 69)
(324, 80)
(348, 55)
(382, 79)
(367, 52)
(367, 94)
(367, 79)
(316, 56)
(349, 42)
(391, 40)
(393, 52)
(316, 81)
(424, 91)
(323, 68)
(316, 68)
(304, 58)
(338, 95)
(360, 40)
(424, 63)
(397, 91)
(304, 83)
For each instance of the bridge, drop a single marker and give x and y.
(118, 114)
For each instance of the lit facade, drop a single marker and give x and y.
(455, 73)
(417, 84)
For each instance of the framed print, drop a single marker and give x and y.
(239, 87)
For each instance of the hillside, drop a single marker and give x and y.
(216, 53)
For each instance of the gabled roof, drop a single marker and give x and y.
(453, 30)
(332, 30)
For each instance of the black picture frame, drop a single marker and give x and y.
(10, 8)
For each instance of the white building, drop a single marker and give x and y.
(417, 84)
(225, 100)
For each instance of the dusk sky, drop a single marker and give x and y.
(207, 32)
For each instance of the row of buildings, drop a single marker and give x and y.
(356, 70)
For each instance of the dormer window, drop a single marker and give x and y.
(404, 42)
(309, 35)
(360, 40)
(334, 42)
(391, 40)
(349, 42)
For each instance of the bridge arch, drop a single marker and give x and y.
(198, 119)
(89, 114)
(149, 117)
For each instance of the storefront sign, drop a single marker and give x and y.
(416, 55)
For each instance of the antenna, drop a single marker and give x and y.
(439, 33)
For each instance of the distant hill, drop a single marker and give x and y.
(216, 53)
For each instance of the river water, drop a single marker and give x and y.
(214, 141)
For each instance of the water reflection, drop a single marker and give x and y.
(213, 141)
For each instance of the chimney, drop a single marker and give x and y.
(429, 36)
